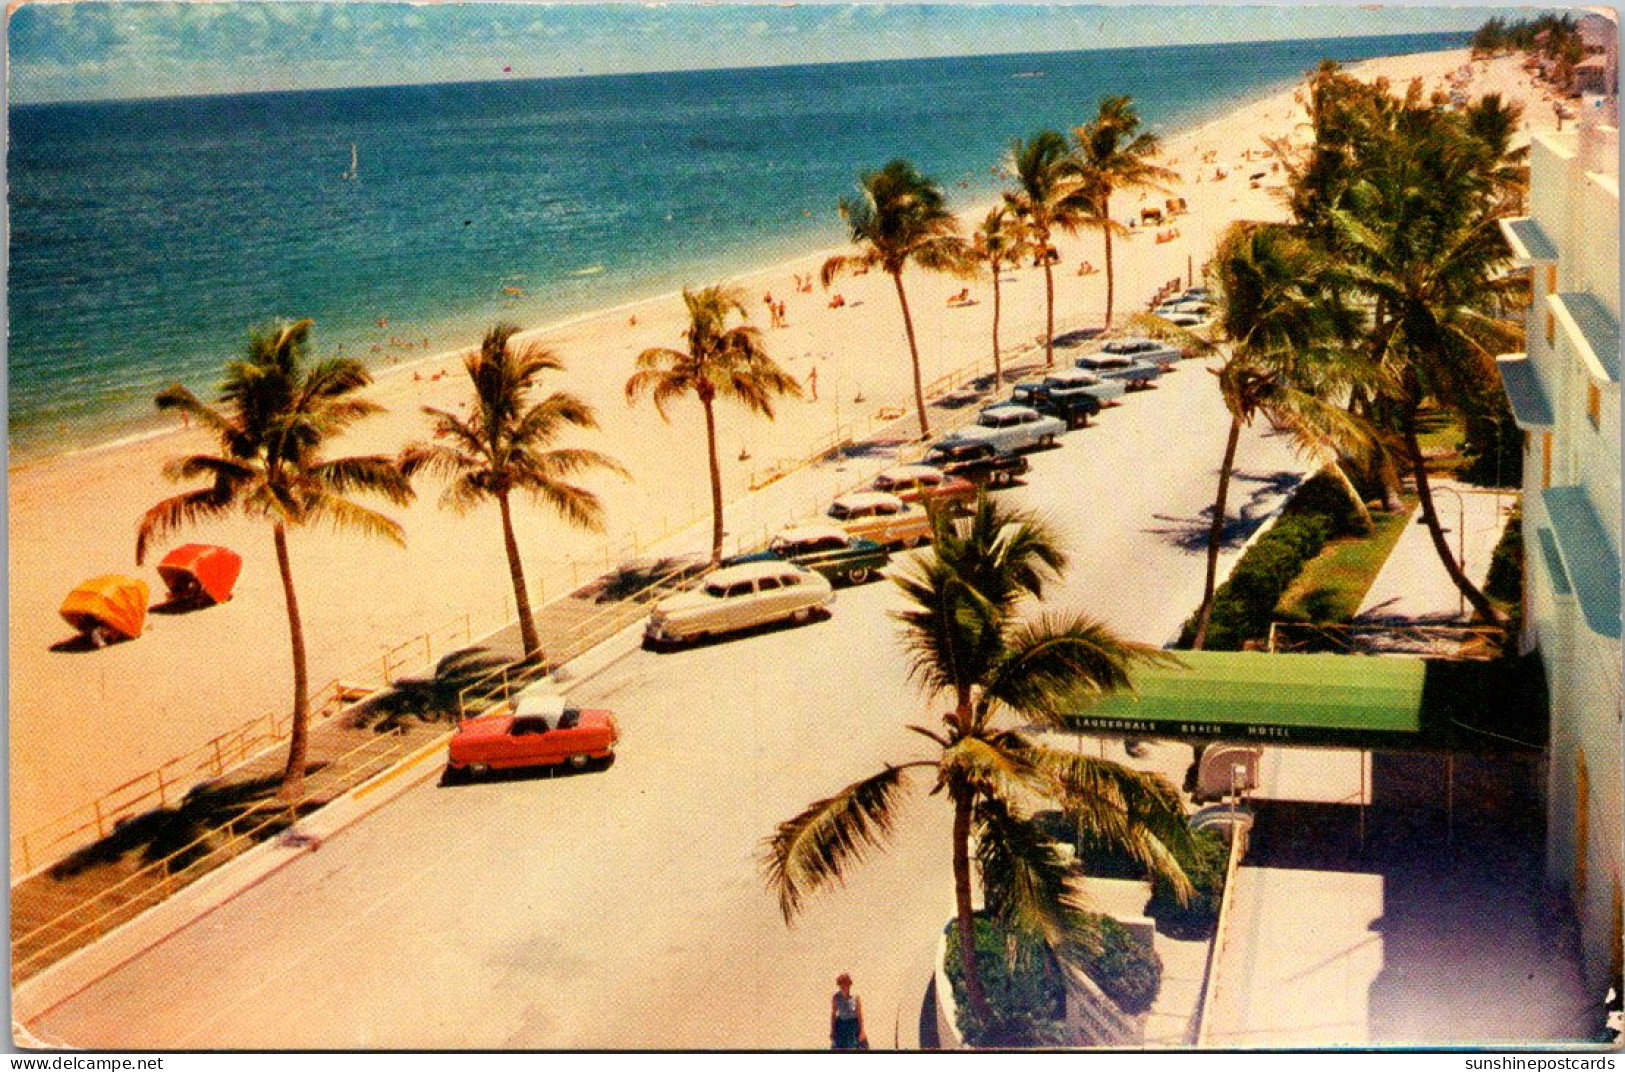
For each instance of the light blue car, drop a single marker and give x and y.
(1011, 428)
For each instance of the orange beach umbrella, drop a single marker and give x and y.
(199, 567)
(115, 602)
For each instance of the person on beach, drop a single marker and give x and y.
(812, 384)
(846, 1017)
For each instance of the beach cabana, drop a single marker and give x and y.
(199, 571)
(108, 606)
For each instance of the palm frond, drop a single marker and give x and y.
(178, 512)
(818, 846)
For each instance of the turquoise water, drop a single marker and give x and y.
(148, 236)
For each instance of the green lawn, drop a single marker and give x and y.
(1440, 434)
(1334, 582)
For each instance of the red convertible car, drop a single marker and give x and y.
(539, 732)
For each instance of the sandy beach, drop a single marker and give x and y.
(82, 723)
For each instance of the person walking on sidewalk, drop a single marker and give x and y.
(846, 1017)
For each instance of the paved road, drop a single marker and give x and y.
(625, 908)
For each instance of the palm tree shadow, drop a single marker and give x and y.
(436, 697)
(639, 580)
(1191, 534)
(192, 829)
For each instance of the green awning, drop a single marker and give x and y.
(1530, 408)
(1373, 701)
(1255, 695)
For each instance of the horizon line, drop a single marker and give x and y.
(66, 101)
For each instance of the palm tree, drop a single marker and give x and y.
(1419, 239)
(1110, 156)
(901, 217)
(502, 446)
(274, 417)
(720, 362)
(1047, 198)
(998, 242)
(1284, 362)
(966, 642)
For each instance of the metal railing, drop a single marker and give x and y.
(87, 920)
(1447, 641)
(172, 779)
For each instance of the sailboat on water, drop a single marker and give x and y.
(350, 175)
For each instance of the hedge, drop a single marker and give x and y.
(1195, 919)
(1245, 604)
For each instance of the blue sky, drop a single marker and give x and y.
(89, 50)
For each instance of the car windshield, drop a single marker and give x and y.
(716, 591)
(840, 512)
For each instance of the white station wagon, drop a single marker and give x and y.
(740, 597)
(881, 517)
(1011, 428)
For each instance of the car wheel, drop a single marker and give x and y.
(579, 761)
(914, 541)
(478, 770)
(999, 478)
(801, 615)
(1046, 441)
(860, 575)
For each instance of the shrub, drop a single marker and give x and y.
(1128, 972)
(1194, 920)
(1505, 580)
(1023, 987)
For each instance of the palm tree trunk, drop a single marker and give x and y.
(998, 367)
(1483, 609)
(716, 480)
(1361, 510)
(962, 905)
(1049, 309)
(1215, 535)
(1111, 278)
(914, 354)
(521, 597)
(293, 775)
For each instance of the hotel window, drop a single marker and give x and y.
(1594, 405)
(1582, 826)
(1551, 327)
(1546, 459)
(1551, 279)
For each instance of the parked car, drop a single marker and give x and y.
(1074, 395)
(541, 730)
(923, 483)
(1012, 428)
(980, 463)
(1142, 349)
(824, 549)
(740, 597)
(881, 517)
(1132, 373)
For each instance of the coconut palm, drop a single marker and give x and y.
(274, 418)
(1047, 199)
(720, 362)
(998, 242)
(1418, 238)
(504, 446)
(901, 217)
(966, 642)
(1111, 156)
(1285, 362)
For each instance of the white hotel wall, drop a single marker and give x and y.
(1574, 196)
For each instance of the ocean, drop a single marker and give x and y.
(148, 236)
